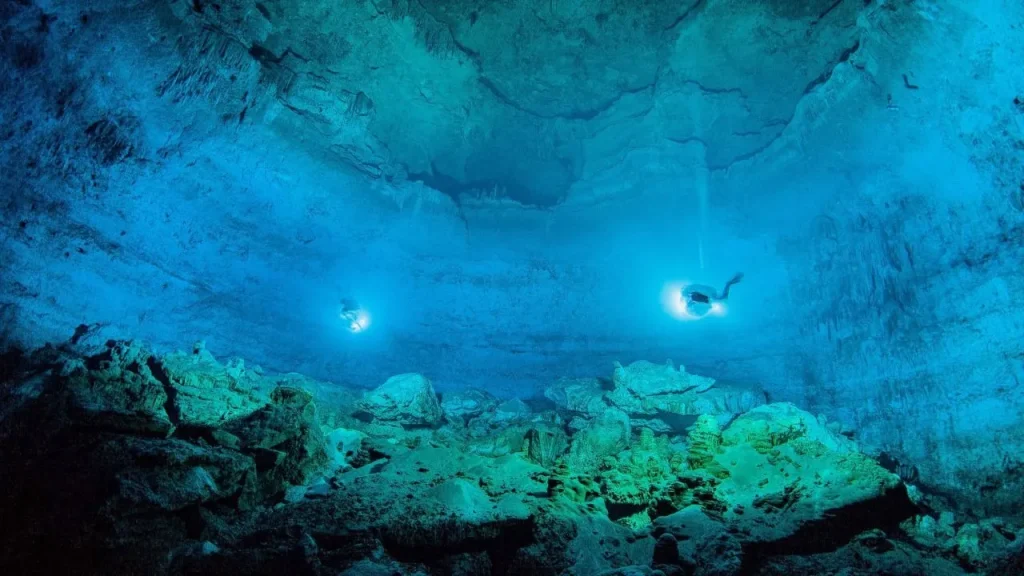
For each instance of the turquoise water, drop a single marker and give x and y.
(506, 197)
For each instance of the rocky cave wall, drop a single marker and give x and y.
(229, 171)
(905, 281)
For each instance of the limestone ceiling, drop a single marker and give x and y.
(517, 98)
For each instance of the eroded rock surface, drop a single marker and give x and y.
(516, 99)
(207, 393)
(662, 397)
(405, 400)
(279, 489)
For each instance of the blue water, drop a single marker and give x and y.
(863, 170)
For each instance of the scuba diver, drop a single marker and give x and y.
(352, 313)
(700, 299)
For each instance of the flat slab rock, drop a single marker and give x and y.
(649, 379)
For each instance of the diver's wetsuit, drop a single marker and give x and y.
(698, 297)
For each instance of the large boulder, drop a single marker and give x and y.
(793, 486)
(406, 400)
(151, 475)
(979, 545)
(512, 411)
(463, 405)
(648, 379)
(207, 393)
(584, 396)
(770, 425)
(90, 479)
(729, 398)
(116, 390)
(668, 400)
(690, 538)
(284, 438)
(344, 449)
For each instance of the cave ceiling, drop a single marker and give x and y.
(524, 99)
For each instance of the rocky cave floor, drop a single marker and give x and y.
(119, 461)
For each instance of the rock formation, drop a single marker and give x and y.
(406, 400)
(252, 479)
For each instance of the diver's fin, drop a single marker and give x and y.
(734, 280)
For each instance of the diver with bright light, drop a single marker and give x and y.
(700, 299)
(354, 314)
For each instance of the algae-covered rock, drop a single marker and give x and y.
(632, 483)
(596, 545)
(128, 493)
(546, 445)
(169, 475)
(632, 403)
(703, 545)
(578, 395)
(730, 398)
(604, 436)
(649, 379)
(766, 427)
(429, 502)
(463, 405)
(116, 390)
(978, 544)
(453, 517)
(928, 532)
(635, 570)
(513, 411)
(774, 474)
(511, 474)
(1010, 560)
(383, 567)
(335, 402)
(704, 441)
(464, 499)
(207, 393)
(783, 476)
(668, 400)
(498, 444)
(343, 448)
(285, 439)
(870, 553)
(777, 491)
(406, 400)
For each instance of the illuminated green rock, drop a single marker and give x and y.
(207, 393)
(648, 379)
(406, 400)
(117, 390)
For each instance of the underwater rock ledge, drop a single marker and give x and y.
(128, 462)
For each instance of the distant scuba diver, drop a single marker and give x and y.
(352, 313)
(700, 299)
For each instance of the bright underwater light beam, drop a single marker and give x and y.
(358, 320)
(676, 305)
